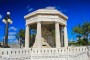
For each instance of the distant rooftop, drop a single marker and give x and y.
(50, 8)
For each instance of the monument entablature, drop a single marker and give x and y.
(46, 12)
(46, 15)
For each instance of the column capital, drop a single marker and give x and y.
(38, 21)
(64, 26)
(27, 25)
(56, 22)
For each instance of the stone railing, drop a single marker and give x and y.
(70, 53)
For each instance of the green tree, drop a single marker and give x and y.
(33, 36)
(21, 37)
(83, 32)
(86, 29)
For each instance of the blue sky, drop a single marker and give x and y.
(78, 12)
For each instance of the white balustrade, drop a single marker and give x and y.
(70, 53)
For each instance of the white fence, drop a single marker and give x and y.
(70, 53)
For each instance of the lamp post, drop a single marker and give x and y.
(7, 20)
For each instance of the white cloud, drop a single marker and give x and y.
(12, 33)
(13, 41)
(63, 10)
(11, 37)
(29, 8)
(0, 16)
(13, 28)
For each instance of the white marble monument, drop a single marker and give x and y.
(46, 20)
(50, 41)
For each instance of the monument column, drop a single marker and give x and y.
(27, 37)
(62, 40)
(57, 35)
(65, 37)
(39, 43)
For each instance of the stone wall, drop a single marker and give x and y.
(70, 53)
